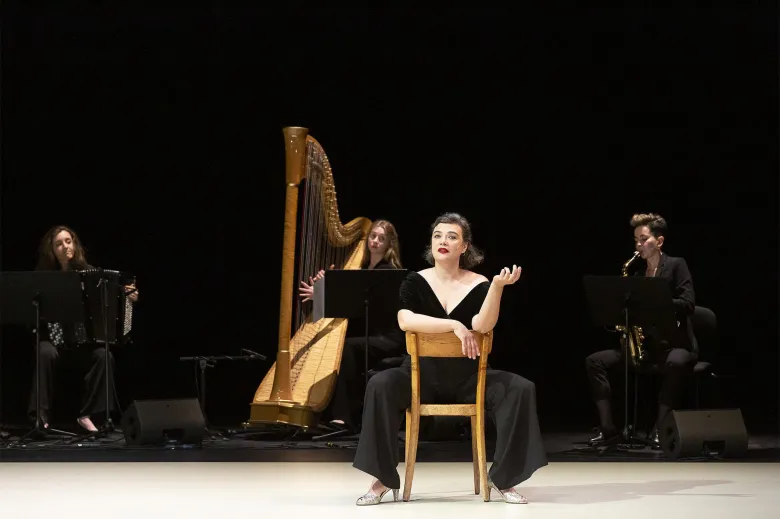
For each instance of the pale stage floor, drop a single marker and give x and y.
(319, 490)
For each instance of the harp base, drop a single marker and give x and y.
(288, 413)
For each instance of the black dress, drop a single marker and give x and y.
(510, 399)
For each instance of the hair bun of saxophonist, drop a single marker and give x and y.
(675, 357)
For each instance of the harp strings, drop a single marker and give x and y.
(316, 252)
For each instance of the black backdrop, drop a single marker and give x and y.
(157, 135)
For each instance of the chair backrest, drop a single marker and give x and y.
(446, 345)
(705, 328)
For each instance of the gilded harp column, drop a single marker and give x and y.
(295, 151)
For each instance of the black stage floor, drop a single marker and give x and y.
(291, 445)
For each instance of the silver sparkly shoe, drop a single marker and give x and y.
(511, 497)
(373, 499)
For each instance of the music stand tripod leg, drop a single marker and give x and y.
(37, 428)
(346, 430)
(108, 424)
(630, 441)
(629, 433)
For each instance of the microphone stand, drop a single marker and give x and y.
(211, 362)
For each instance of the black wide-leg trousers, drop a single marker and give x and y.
(93, 359)
(510, 400)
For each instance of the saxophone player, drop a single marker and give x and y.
(676, 357)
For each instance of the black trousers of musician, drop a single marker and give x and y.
(676, 364)
(351, 384)
(92, 359)
(510, 400)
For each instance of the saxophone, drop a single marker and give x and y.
(635, 337)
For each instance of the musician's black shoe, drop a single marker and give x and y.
(44, 419)
(655, 442)
(604, 437)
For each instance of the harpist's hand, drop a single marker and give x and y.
(307, 291)
(320, 275)
(505, 277)
(469, 345)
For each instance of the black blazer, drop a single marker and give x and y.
(675, 270)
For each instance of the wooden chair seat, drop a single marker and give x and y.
(447, 345)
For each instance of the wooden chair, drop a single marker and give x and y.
(447, 345)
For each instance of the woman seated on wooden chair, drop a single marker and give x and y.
(385, 338)
(451, 298)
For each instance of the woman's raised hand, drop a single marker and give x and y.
(507, 277)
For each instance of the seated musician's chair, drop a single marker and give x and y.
(447, 345)
(705, 328)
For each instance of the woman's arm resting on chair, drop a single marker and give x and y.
(409, 321)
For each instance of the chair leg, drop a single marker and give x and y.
(475, 453)
(482, 454)
(408, 427)
(412, 434)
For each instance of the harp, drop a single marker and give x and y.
(300, 383)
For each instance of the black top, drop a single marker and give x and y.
(417, 296)
(675, 270)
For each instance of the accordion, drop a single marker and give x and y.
(108, 311)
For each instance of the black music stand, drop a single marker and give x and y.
(631, 301)
(351, 293)
(55, 296)
(104, 296)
